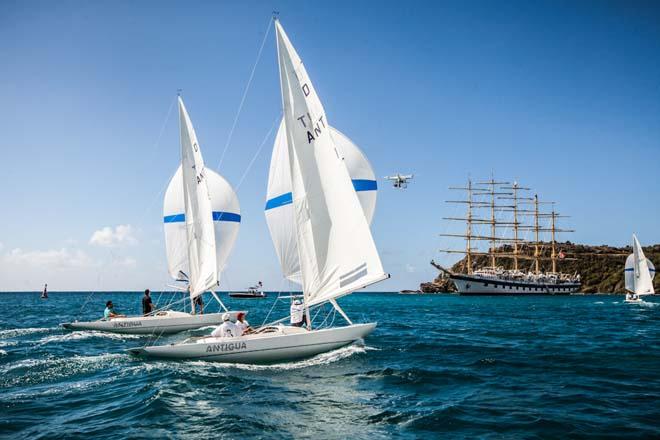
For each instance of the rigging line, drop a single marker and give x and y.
(282, 281)
(162, 129)
(154, 149)
(256, 154)
(245, 92)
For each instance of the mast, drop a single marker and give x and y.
(516, 215)
(518, 252)
(536, 234)
(553, 255)
(493, 223)
(472, 190)
(469, 228)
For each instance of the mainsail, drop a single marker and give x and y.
(639, 271)
(279, 207)
(197, 219)
(336, 251)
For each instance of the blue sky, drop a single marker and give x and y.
(562, 96)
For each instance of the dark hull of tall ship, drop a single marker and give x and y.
(475, 285)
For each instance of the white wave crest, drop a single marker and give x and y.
(320, 359)
(648, 304)
(76, 336)
(15, 332)
(3, 353)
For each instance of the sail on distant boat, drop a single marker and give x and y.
(335, 250)
(201, 220)
(639, 273)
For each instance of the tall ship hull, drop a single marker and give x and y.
(478, 285)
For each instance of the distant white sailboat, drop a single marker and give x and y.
(323, 241)
(639, 274)
(201, 218)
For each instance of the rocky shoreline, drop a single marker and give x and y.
(600, 267)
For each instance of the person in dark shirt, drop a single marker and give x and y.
(147, 305)
(198, 301)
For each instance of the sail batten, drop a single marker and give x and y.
(330, 238)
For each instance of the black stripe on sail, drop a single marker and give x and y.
(351, 272)
(346, 281)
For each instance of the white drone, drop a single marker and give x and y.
(400, 181)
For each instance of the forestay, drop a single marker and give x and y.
(639, 271)
(279, 207)
(198, 221)
(336, 251)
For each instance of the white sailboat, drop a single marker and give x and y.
(201, 220)
(330, 249)
(639, 274)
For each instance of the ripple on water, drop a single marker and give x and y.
(457, 367)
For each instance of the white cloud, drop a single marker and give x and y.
(410, 268)
(53, 258)
(109, 237)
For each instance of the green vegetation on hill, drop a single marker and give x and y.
(600, 267)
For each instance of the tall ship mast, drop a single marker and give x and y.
(508, 213)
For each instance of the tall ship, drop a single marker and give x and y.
(509, 215)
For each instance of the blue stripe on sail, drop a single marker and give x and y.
(218, 216)
(176, 218)
(365, 185)
(632, 269)
(286, 199)
(276, 202)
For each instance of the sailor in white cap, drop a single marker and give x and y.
(227, 329)
(298, 317)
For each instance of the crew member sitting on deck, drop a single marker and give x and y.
(298, 317)
(147, 305)
(242, 324)
(227, 329)
(109, 311)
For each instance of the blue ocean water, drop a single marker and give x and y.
(436, 366)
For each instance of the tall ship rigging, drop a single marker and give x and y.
(518, 215)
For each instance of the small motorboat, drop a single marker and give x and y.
(252, 292)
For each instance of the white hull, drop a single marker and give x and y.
(468, 285)
(283, 344)
(165, 323)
